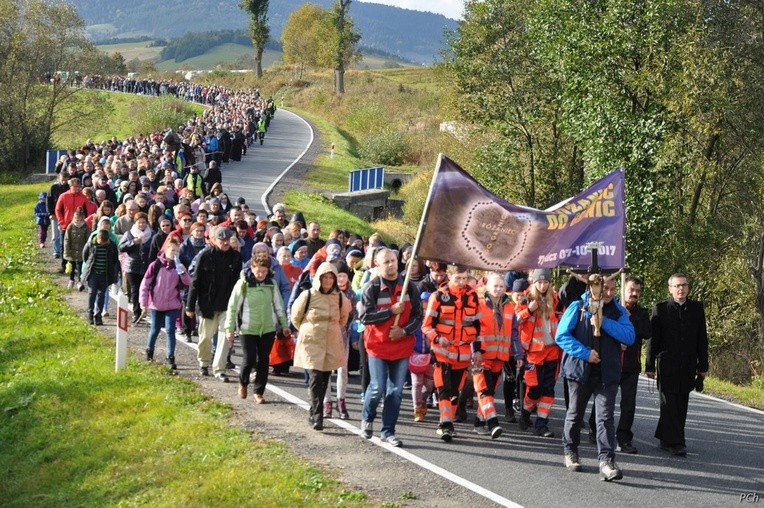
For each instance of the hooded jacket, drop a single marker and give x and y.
(319, 319)
(112, 260)
(258, 304)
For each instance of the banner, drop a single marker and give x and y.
(465, 224)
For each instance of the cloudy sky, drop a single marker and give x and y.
(449, 8)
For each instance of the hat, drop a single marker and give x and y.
(222, 233)
(43, 195)
(519, 285)
(241, 201)
(541, 274)
(104, 219)
(214, 201)
(144, 179)
(298, 217)
(295, 245)
(333, 241)
(342, 267)
(354, 252)
(273, 224)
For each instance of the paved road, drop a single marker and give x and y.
(726, 456)
(726, 449)
(286, 142)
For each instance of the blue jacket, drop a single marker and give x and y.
(575, 336)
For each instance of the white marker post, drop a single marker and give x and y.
(332, 155)
(123, 318)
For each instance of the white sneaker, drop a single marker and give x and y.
(71, 284)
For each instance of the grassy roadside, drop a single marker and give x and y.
(73, 432)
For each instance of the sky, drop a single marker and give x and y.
(450, 8)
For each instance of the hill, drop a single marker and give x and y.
(411, 35)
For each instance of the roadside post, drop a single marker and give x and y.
(123, 318)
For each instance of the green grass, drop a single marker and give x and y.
(131, 50)
(75, 433)
(750, 395)
(120, 119)
(223, 53)
(318, 208)
(331, 173)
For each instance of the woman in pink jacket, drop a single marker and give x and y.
(160, 293)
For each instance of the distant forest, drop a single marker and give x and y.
(197, 43)
(411, 35)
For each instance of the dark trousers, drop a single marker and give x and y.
(319, 381)
(134, 286)
(96, 288)
(604, 401)
(509, 386)
(623, 433)
(257, 351)
(363, 366)
(672, 419)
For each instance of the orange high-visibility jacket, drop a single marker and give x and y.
(455, 316)
(497, 339)
(532, 332)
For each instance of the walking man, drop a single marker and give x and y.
(215, 275)
(592, 366)
(679, 351)
(388, 344)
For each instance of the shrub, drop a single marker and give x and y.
(388, 147)
(159, 114)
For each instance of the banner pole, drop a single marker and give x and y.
(422, 223)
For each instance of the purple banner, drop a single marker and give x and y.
(466, 224)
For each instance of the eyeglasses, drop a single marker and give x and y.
(186, 220)
(685, 285)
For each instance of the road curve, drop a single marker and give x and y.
(287, 141)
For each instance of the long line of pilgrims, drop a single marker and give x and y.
(121, 208)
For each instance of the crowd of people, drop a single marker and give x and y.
(149, 213)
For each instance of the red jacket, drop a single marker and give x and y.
(67, 203)
(375, 314)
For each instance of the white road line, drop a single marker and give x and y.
(264, 198)
(491, 496)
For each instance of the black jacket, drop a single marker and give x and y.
(679, 345)
(640, 319)
(215, 274)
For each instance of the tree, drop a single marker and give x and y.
(258, 28)
(505, 91)
(340, 39)
(41, 42)
(300, 37)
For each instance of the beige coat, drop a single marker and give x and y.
(320, 345)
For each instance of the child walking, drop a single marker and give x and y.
(75, 239)
(100, 269)
(42, 218)
(160, 293)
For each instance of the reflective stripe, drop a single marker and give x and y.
(384, 301)
(471, 318)
(449, 322)
(432, 312)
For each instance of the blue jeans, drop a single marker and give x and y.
(388, 375)
(159, 319)
(96, 288)
(58, 237)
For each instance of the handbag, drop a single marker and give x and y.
(419, 363)
(282, 350)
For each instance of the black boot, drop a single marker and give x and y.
(149, 355)
(90, 318)
(98, 319)
(171, 361)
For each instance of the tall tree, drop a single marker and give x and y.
(258, 28)
(300, 37)
(505, 92)
(41, 43)
(343, 41)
